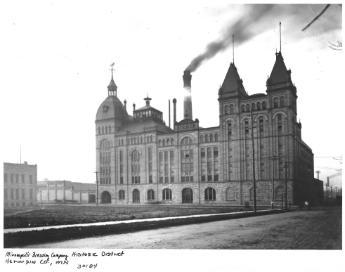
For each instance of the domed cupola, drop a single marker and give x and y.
(111, 107)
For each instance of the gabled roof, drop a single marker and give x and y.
(232, 83)
(279, 72)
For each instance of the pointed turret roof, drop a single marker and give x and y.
(232, 84)
(280, 74)
(112, 88)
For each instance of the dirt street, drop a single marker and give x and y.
(313, 229)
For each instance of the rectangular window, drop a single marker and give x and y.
(17, 194)
(11, 177)
(160, 179)
(203, 178)
(23, 194)
(215, 177)
(202, 153)
(150, 179)
(215, 152)
(172, 179)
(17, 178)
(121, 180)
(23, 178)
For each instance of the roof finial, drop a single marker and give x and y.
(233, 48)
(112, 69)
(280, 37)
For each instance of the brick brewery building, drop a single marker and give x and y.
(141, 160)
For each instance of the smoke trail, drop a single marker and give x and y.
(257, 18)
(243, 30)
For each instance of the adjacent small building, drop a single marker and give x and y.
(20, 181)
(64, 191)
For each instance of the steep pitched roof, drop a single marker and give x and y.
(279, 72)
(232, 83)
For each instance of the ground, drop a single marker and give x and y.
(306, 229)
(72, 214)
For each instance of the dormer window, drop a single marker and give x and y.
(105, 108)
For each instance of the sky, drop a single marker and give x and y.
(55, 68)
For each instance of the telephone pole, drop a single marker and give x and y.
(286, 191)
(253, 146)
(96, 187)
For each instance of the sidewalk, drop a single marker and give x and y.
(26, 236)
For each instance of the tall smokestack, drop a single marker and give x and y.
(187, 103)
(169, 113)
(174, 102)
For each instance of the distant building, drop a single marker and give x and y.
(20, 182)
(141, 160)
(63, 191)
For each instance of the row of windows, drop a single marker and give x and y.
(16, 194)
(278, 102)
(103, 130)
(136, 140)
(187, 195)
(14, 178)
(253, 106)
(18, 204)
(166, 142)
(208, 138)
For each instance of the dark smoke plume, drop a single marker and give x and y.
(256, 19)
(242, 29)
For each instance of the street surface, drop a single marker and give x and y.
(308, 229)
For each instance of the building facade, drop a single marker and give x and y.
(140, 160)
(64, 191)
(20, 182)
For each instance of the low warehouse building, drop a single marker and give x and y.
(63, 191)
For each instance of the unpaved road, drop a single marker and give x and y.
(313, 229)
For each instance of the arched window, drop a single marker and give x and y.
(248, 108)
(136, 196)
(121, 195)
(229, 129)
(105, 162)
(253, 106)
(105, 197)
(210, 194)
(261, 125)
(246, 127)
(187, 195)
(264, 105)
(211, 137)
(258, 106)
(150, 195)
(186, 160)
(243, 109)
(231, 108)
(275, 102)
(166, 194)
(282, 104)
(279, 123)
(226, 109)
(135, 167)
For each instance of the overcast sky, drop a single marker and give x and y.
(55, 58)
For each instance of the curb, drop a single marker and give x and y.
(24, 237)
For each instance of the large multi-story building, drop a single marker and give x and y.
(20, 180)
(142, 160)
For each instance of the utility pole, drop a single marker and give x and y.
(96, 187)
(273, 158)
(253, 146)
(286, 191)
